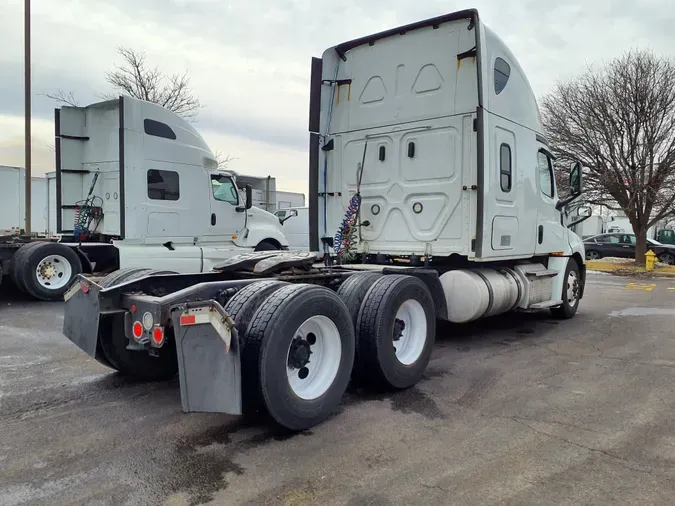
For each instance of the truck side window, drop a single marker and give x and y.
(163, 185)
(224, 190)
(502, 74)
(545, 169)
(505, 167)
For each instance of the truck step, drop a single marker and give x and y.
(545, 305)
(542, 274)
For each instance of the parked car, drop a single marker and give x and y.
(622, 245)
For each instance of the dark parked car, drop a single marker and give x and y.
(622, 245)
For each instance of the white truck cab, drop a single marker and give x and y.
(137, 186)
(164, 202)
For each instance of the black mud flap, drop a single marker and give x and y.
(208, 358)
(81, 316)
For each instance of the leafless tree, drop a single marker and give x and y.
(63, 97)
(223, 159)
(135, 78)
(138, 80)
(619, 121)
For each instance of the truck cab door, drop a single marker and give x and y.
(228, 216)
(551, 234)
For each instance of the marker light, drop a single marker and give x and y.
(137, 330)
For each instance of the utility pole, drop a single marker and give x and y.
(27, 114)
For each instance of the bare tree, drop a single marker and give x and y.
(223, 159)
(135, 78)
(138, 80)
(619, 121)
(63, 97)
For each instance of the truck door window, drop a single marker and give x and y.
(163, 185)
(545, 169)
(224, 189)
(505, 167)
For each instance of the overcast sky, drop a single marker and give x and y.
(249, 60)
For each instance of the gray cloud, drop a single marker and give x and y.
(250, 60)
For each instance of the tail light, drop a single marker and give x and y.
(158, 336)
(137, 330)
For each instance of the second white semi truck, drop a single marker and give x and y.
(135, 188)
(431, 196)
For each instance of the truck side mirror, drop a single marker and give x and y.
(249, 196)
(249, 200)
(576, 177)
(584, 211)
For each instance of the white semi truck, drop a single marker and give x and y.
(431, 196)
(135, 187)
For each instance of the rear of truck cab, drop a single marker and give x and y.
(437, 127)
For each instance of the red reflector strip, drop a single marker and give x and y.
(188, 319)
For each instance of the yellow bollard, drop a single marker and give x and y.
(650, 260)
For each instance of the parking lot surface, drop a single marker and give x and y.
(521, 409)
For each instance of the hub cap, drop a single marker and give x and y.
(410, 332)
(572, 288)
(53, 272)
(314, 357)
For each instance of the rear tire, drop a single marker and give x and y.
(243, 305)
(593, 255)
(298, 355)
(14, 272)
(47, 270)
(396, 331)
(667, 258)
(354, 289)
(113, 342)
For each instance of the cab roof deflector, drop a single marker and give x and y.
(471, 14)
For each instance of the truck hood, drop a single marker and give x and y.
(260, 216)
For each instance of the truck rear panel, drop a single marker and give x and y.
(88, 141)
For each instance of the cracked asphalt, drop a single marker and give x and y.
(519, 410)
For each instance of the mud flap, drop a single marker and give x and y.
(81, 317)
(208, 359)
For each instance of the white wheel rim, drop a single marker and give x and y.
(312, 379)
(572, 288)
(53, 272)
(410, 327)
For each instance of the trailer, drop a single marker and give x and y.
(135, 186)
(418, 211)
(13, 206)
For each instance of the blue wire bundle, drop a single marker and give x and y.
(345, 238)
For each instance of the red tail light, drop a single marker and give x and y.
(137, 330)
(158, 336)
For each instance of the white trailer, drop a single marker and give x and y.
(135, 186)
(12, 202)
(432, 195)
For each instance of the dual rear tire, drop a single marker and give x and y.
(300, 344)
(45, 270)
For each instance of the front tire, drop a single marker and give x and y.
(593, 255)
(266, 246)
(298, 355)
(570, 292)
(396, 331)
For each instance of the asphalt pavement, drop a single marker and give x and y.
(519, 409)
